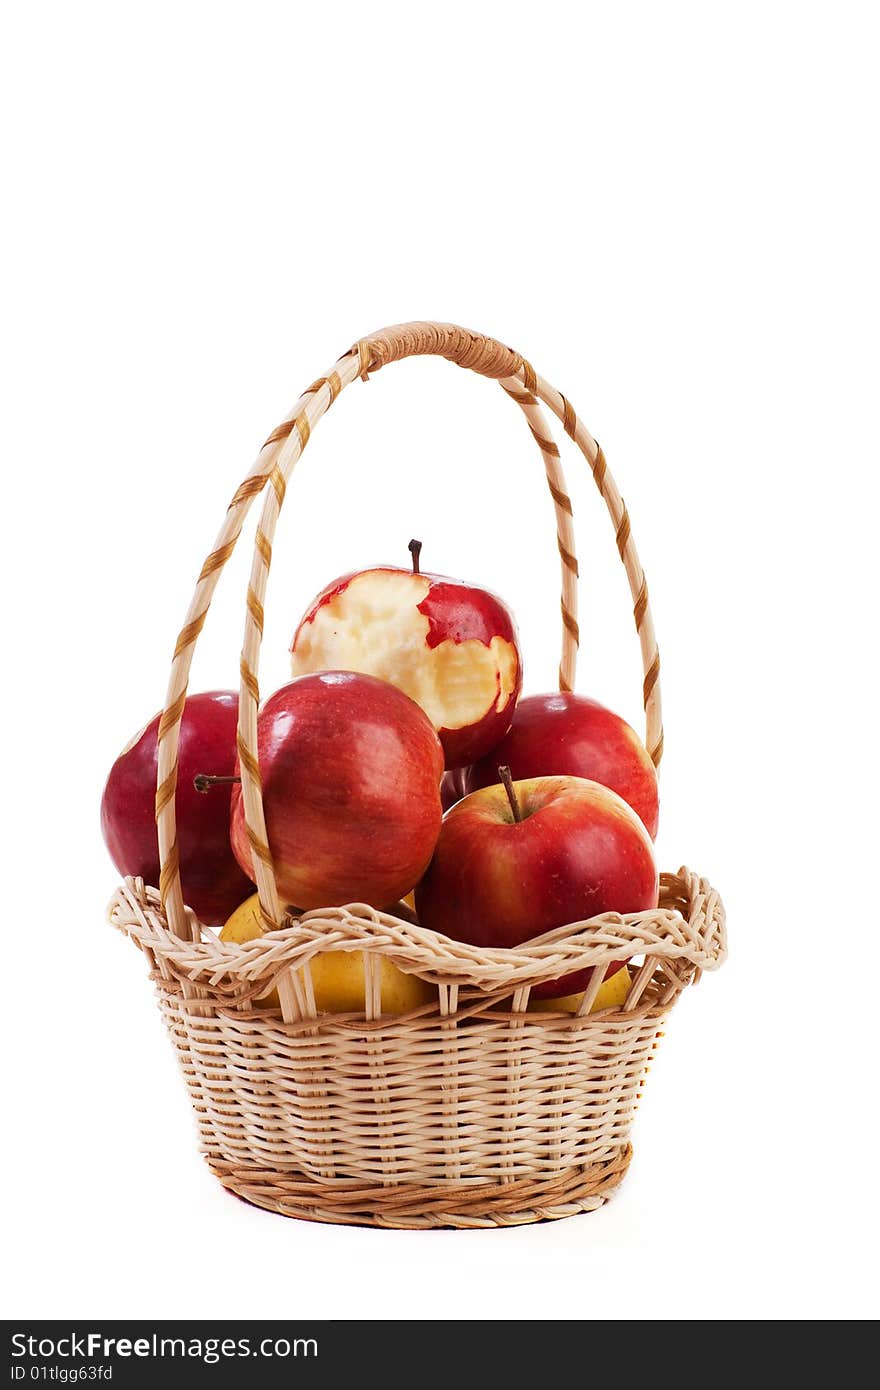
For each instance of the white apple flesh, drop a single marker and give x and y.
(450, 646)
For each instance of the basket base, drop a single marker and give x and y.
(411, 1206)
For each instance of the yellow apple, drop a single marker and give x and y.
(337, 976)
(338, 982)
(245, 924)
(612, 993)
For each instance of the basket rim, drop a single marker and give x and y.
(687, 930)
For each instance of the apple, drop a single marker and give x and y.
(451, 787)
(451, 646)
(515, 861)
(338, 983)
(350, 770)
(571, 735)
(212, 882)
(611, 994)
(246, 924)
(337, 976)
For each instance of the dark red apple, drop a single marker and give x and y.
(577, 850)
(450, 646)
(572, 736)
(351, 770)
(451, 788)
(213, 884)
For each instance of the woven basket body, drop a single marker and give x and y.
(469, 1111)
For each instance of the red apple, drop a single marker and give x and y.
(571, 736)
(451, 788)
(351, 770)
(577, 850)
(451, 647)
(213, 884)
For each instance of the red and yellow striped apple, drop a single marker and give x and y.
(571, 735)
(511, 865)
(450, 646)
(350, 770)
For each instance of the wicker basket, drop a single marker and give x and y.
(469, 1111)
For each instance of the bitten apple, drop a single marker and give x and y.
(212, 882)
(350, 770)
(571, 735)
(451, 646)
(513, 864)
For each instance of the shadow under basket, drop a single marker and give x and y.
(469, 1111)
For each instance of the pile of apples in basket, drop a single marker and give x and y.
(401, 768)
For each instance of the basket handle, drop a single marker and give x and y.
(467, 349)
(491, 358)
(276, 461)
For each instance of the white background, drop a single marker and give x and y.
(672, 211)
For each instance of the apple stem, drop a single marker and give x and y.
(507, 783)
(204, 781)
(414, 549)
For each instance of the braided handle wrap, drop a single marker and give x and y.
(460, 345)
(274, 465)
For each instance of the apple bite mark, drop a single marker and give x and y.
(451, 648)
(457, 612)
(471, 680)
